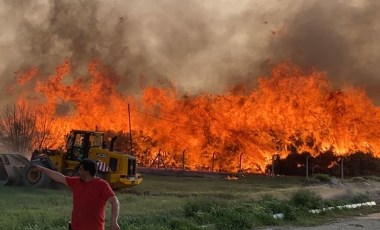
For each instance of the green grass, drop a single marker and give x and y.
(181, 203)
(32, 209)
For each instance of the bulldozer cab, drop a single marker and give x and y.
(79, 142)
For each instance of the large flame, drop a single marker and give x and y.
(289, 109)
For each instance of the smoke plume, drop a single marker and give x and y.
(196, 46)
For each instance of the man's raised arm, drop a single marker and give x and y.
(54, 175)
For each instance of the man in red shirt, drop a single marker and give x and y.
(90, 195)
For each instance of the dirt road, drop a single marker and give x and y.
(370, 222)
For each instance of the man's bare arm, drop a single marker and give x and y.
(115, 208)
(54, 175)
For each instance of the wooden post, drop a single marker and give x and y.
(272, 165)
(158, 159)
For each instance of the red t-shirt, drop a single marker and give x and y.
(89, 200)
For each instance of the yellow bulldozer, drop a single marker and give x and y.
(117, 168)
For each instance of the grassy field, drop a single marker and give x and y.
(169, 202)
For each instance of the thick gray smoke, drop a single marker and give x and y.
(198, 46)
(339, 37)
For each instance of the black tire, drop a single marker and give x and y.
(9, 175)
(32, 178)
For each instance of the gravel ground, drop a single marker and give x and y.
(370, 222)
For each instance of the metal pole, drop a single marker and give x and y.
(307, 167)
(130, 130)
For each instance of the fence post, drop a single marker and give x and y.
(240, 164)
(307, 167)
(341, 168)
(183, 160)
(213, 161)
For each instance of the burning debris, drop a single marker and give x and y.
(290, 111)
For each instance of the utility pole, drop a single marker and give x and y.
(130, 130)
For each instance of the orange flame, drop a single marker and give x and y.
(289, 109)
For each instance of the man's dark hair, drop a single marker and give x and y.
(89, 165)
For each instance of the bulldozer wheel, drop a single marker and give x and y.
(33, 178)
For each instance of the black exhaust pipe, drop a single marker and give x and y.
(112, 143)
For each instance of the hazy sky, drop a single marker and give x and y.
(199, 46)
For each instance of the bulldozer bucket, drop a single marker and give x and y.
(10, 168)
